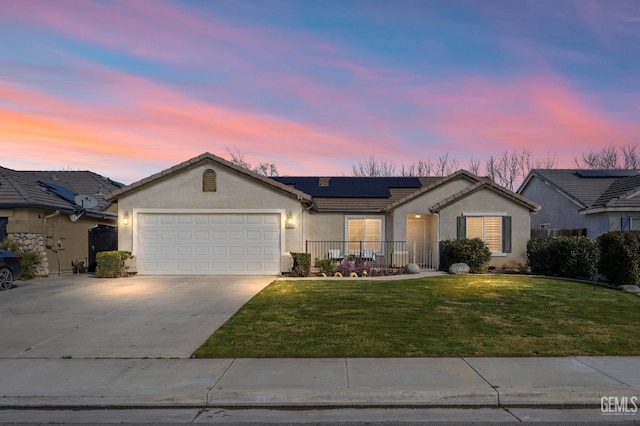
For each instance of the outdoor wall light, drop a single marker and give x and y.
(125, 219)
(289, 222)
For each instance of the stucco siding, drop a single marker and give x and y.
(422, 204)
(325, 227)
(74, 236)
(234, 192)
(488, 202)
(556, 209)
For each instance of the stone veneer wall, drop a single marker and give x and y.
(34, 242)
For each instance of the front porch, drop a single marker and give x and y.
(382, 254)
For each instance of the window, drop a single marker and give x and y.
(630, 223)
(364, 233)
(493, 230)
(209, 181)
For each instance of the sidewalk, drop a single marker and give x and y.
(573, 382)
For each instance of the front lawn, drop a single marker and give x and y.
(472, 315)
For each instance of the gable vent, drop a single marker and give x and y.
(209, 181)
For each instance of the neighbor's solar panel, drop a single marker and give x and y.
(60, 190)
(606, 173)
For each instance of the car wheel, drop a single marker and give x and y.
(6, 278)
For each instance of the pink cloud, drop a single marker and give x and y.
(539, 113)
(145, 121)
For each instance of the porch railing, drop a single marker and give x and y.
(379, 253)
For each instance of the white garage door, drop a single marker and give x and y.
(205, 244)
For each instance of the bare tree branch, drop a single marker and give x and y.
(474, 165)
(373, 167)
(265, 169)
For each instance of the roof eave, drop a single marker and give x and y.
(422, 190)
(136, 186)
(530, 205)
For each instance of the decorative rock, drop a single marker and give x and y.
(34, 242)
(411, 268)
(459, 268)
(630, 288)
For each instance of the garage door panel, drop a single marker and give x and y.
(185, 220)
(185, 251)
(271, 236)
(219, 235)
(208, 243)
(185, 235)
(167, 219)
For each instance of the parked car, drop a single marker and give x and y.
(10, 269)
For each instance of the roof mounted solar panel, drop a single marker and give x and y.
(60, 190)
(348, 187)
(606, 173)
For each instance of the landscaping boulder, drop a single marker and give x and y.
(411, 268)
(459, 268)
(630, 288)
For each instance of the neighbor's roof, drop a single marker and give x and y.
(55, 190)
(198, 160)
(592, 188)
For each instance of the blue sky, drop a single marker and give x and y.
(128, 88)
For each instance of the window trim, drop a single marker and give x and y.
(347, 218)
(500, 215)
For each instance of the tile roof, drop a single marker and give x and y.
(197, 160)
(620, 192)
(488, 184)
(333, 193)
(592, 188)
(28, 189)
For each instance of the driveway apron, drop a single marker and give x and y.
(80, 316)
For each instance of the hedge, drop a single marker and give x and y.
(567, 257)
(474, 252)
(110, 264)
(620, 261)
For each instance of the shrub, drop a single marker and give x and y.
(567, 257)
(620, 260)
(474, 252)
(29, 259)
(326, 266)
(301, 264)
(110, 264)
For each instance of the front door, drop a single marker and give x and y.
(421, 241)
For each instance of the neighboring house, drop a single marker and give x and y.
(209, 216)
(60, 214)
(596, 200)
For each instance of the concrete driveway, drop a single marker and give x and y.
(81, 316)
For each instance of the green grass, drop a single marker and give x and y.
(473, 315)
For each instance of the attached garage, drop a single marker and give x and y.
(207, 216)
(208, 243)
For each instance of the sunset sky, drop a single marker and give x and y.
(129, 88)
